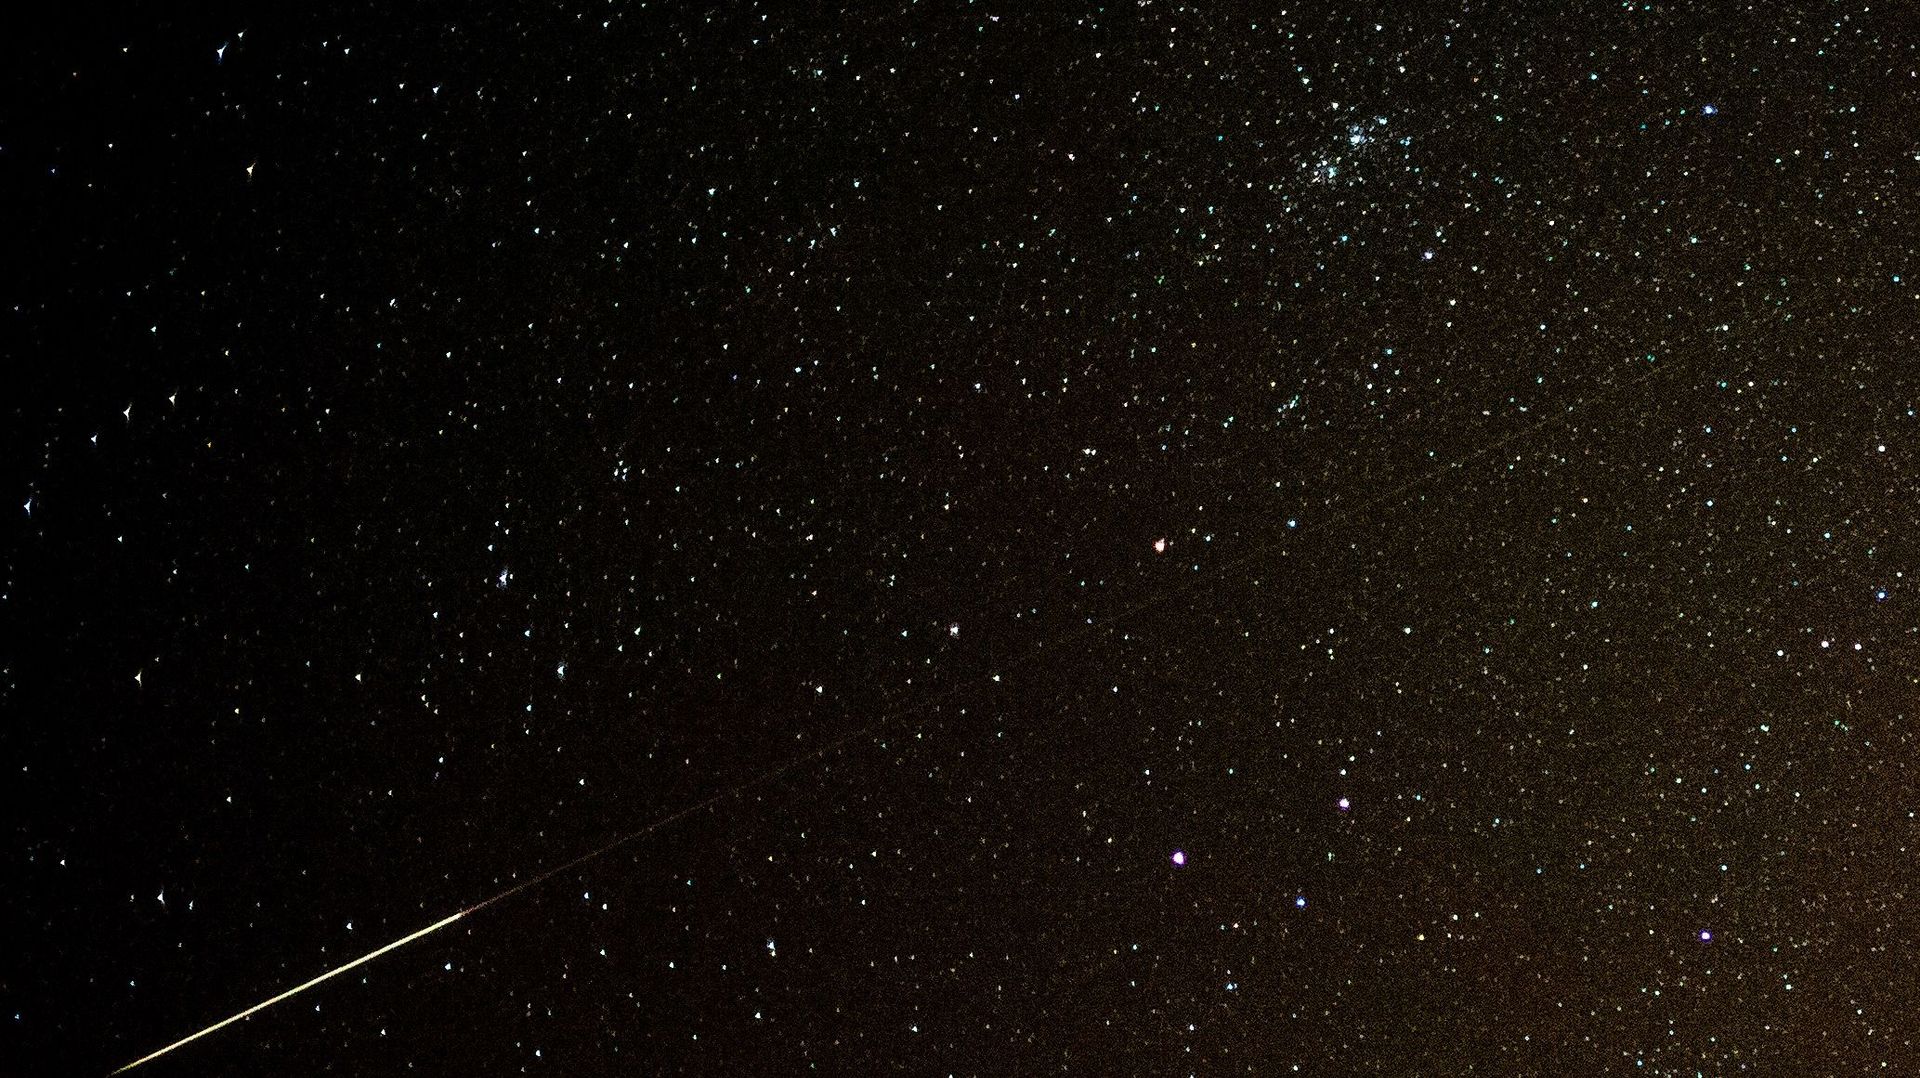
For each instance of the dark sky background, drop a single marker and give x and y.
(1448, 476)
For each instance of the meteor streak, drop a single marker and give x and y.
(665, 821)
(297, 989)
(593, 854)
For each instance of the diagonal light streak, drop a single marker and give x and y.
(297, 989)
(593, 854)
(818, 753)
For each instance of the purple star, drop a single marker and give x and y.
(1179, 858)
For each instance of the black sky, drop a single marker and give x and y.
(1448, 475)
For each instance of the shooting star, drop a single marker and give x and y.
(660, 824)
(297, 989)
(590, 855)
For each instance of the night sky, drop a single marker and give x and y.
(1141, 539)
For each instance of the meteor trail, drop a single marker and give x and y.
(601, 851)
(1149, 599)
(297, 989)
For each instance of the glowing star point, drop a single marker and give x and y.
(1179, 858)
